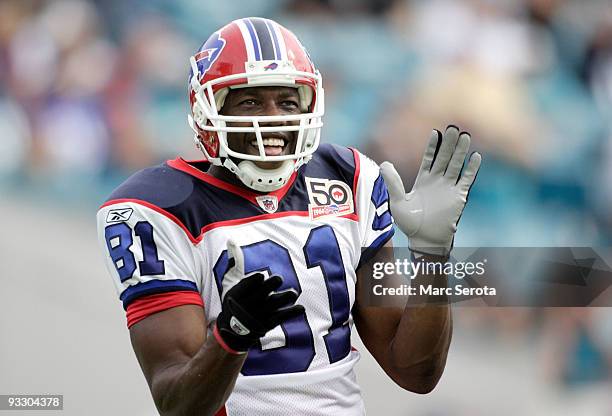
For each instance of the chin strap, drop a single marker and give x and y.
(262, 180)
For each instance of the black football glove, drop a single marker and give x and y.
(251, 307)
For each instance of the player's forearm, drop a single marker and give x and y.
(201, 385)
(429, 320)
(421, 364)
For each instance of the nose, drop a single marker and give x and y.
(272, 108)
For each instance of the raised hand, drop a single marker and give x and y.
(429, 214)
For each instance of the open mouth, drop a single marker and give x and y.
(272, 146)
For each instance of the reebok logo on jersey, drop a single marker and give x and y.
(268, 203)
(119, 215)
(328, 198)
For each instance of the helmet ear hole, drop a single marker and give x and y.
(210, 142)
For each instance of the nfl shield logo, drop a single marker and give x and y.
(268, 203)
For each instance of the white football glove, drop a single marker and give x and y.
(429, 214)
(236, 273)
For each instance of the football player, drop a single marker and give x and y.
(240, 274)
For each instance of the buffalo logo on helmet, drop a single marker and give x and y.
(209, 52)
(271, 66)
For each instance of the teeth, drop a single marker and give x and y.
(270, 142)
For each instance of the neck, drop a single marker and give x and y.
(225, 175)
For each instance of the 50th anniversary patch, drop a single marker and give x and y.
(328, 198)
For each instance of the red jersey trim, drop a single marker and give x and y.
(182, 165)
(148, 305)
(218, 224)
(357, 172)
(247, 220)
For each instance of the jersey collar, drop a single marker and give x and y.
(250, 195)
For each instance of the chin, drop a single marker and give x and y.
(268, 165)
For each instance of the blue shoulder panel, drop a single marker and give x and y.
(194, 202)
(160, 185)
(333, 162)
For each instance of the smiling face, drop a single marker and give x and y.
(263, 101)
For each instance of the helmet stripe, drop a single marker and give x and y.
(254, 39)
(246, 37)
(265, 39)
(277, 51)
(278, 36)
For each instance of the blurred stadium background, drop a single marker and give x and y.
(91, 91)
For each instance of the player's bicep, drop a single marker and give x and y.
(168, 339)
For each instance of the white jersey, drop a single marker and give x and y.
(166, 229)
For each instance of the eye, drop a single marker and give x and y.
(292, 103)
(248, 102)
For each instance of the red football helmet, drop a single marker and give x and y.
(245, 53)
